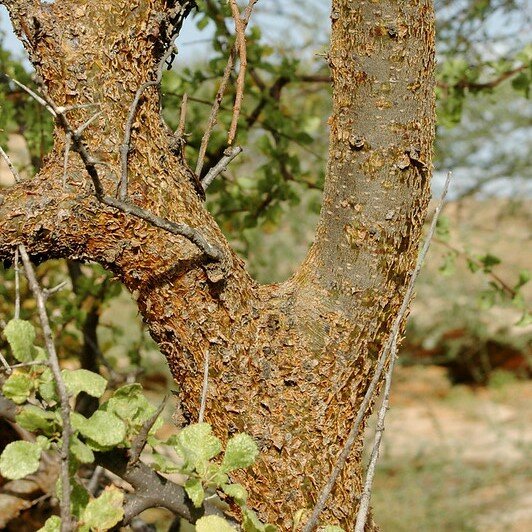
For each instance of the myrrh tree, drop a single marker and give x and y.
(288, 363)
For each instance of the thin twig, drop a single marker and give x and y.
(17, 286)
(95, 480)
(66, 516)
(180, 133)
(214, 112)
(239, 90)
(503, 285)
(85, 125)
(220, 166)
(34, 95)
(142, 437)
(394, 335)
(205, 387)
(126, 143)
(381, 362)
(68, 142)
(6, 365)
(47, 292)
(179, 229)
(220, 94)
(30, 364)
(12, 168)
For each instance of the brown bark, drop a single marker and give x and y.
(289, 363)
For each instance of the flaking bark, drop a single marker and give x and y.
(289, 363)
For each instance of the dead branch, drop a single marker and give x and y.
(12, 168)
(66, 433)
(205, 387)
(221, 91)
(220, 166)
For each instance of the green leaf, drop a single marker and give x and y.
(163, 463)
(82, 380)
(213, 523)
(252, 523)
(237, 492)
(524, 278)
(20, 334)
(18, 387)
(82, 452)
(488, 261)
(525, 320)
(19, 458)
(197, 444)
(104, 512)
(43, 442)
(332, 528)
(52, 524)
(195, 491)
(103, 428)
(47, 387)
(130, 404)
(241, 452)
(33, 418)
(79, 498)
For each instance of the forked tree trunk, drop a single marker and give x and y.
(289, 363)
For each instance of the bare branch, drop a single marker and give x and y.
(151, 489)
(214, 111)
(180, 133)
(142, 437)
(220, 94)
(13, 170)
(220, 166)
(381, 363)
(95, 480)
(205, 387)
(179, 229)
(68, 142)
(34, 95)
(241, 47)
(66, 516)
(6, 365)
(47, 292)
(394, 335)
(17, 286)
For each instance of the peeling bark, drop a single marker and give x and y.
(289, 363)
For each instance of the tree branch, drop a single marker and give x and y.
(76, 136)
(221, 166)
(66, 433)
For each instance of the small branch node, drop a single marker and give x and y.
(221, 165)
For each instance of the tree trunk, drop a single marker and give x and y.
(289, 363)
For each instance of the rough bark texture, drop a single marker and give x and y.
(289, 362)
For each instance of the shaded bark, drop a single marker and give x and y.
(290, 362)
